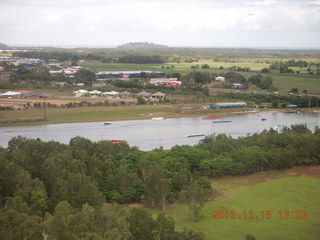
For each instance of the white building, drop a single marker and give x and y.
(10, 94)
(111, 94)
(220, 79)
(80, 92)
(95, 93)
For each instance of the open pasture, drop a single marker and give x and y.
(295, 190)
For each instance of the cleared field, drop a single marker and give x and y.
(294, 190)
(124, 66)
(253, 64)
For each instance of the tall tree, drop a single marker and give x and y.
(85, 76)
(195, 194)
(140, 224)
(164, 228)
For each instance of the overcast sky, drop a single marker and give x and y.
(197, 23)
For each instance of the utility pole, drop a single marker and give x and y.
(45, 109)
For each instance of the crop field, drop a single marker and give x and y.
(261, 192)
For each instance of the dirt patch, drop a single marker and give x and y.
(304, 171)
(20, 102)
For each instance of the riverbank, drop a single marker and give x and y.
(114, 113)
(96, 114)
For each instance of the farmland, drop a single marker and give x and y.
(283, 82)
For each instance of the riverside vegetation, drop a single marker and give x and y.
(88, 190)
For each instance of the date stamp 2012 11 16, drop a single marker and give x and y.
(263, 214)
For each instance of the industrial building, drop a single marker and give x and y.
(165, 81)
(126, 74)
(228, 105)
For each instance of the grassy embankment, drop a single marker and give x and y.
(96, 114)
(294, 190)
(36, 116)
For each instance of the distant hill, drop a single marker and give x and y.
(141, 46)
(3, 46)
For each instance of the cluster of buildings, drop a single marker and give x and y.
(115, 94)
(28, 62)
(126, 74)
(70, 72)
(157, 78)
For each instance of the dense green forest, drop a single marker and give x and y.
(80, 190)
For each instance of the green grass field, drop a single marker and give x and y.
(286, 83)
(288, 193)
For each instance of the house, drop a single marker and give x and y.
(111, 94)
(28, 95)
(80, 92)
(10, 94)
(158, 95)
(125, 94)
(143, 94)
(95, 93)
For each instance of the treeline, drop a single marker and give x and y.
(40, 75)
(35, 75)
(64, 55)
(263, 82)
(286, 67)
(103, 56)
(268, 150)
(281, 100)
(136, 58)
(177, 54)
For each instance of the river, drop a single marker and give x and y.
(151, 134)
